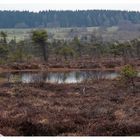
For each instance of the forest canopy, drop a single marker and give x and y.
(79, 18)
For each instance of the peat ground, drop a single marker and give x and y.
(99, 108)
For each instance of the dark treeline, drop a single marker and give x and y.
(26, 19)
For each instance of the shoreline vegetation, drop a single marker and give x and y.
(69, 66)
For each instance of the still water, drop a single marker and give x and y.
(59, 77)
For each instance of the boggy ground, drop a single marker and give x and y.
(61, 65)
(99, 108)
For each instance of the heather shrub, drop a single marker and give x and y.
(128, 75)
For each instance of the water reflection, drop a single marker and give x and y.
(60, 77)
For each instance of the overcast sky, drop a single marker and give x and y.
(37, 5)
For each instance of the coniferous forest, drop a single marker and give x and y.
(85, 18)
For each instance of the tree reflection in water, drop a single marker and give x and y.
(61, 77)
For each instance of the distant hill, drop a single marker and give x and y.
(89, 18)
